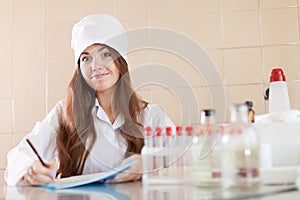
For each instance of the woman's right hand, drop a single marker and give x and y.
(38, 174)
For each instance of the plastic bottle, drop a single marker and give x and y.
(148, 155)
(240, 151)
(251, 112)
(278, 97)
(168, 156)
(187, 156)
(179, 153)
(159, 151)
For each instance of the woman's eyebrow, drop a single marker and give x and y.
(86, 53)
(98, 50)
(102, 49)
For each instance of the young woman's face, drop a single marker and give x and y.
(98, 67)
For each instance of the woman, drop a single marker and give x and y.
(100, 123)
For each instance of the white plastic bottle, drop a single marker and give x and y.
(278, 95)
(148, 155)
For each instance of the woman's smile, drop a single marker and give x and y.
(100, 75)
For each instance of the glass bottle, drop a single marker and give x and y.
(251, 112)
(240, 151)
(206, 154)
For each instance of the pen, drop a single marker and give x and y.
(35, 151)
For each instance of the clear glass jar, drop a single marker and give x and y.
(206, 171)
(240, 151)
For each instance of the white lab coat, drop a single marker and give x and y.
(108, 151)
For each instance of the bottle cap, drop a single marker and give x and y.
(169, 131)
(189, 130)
(208, 112)
(207, 116)
(158, 131)
(249, 103)
(277, 75)
(178, 130)
(148, 131)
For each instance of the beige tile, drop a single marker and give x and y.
(139, 65)
(217, 57)
(59, 75)
(294, 94)
(60, 20)
(5, 146)
(204, 101)
(195, 76)
(59, 43)
(173, 23)
(6, 50)
(17, 137)
(196, 6)
(6, 14)
(209, 98)
(58, 80)
(131, 9)
(243, 66)
(2, 182)
(95, 7)
(170, 60)
(167, 98)
(30, 95)
(64, 12)
(166, 8)
(241, 29)
(145, 94)
(204, 73)
(299, 11)
(205, 29)
(29, 78)
(138, 57)
(132, 24)
(280, 26)
(29, 82)
(237, 5)
(28, 111)
(141, 77)
(277, 3)
(286, 57)
(30, 14)
(6, 76)
(6, 117)
(29, 48)
(242, 93)
(164, 74)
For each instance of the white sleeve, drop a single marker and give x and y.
(156, 117)
(43, 137)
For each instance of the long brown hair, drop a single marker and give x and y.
(77, 134)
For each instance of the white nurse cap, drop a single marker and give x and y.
(99, 28)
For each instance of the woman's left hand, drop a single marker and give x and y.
(134, 173)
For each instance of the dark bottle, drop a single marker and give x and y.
(251, 112)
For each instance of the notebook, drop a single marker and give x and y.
(79, 180)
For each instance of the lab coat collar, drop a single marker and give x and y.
(119, 121)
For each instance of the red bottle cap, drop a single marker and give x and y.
(169, 131)
(277, 75)
(158, 131)
(148, 131)
(189, 130)
(178, 130)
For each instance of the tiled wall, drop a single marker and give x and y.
(245, 39)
